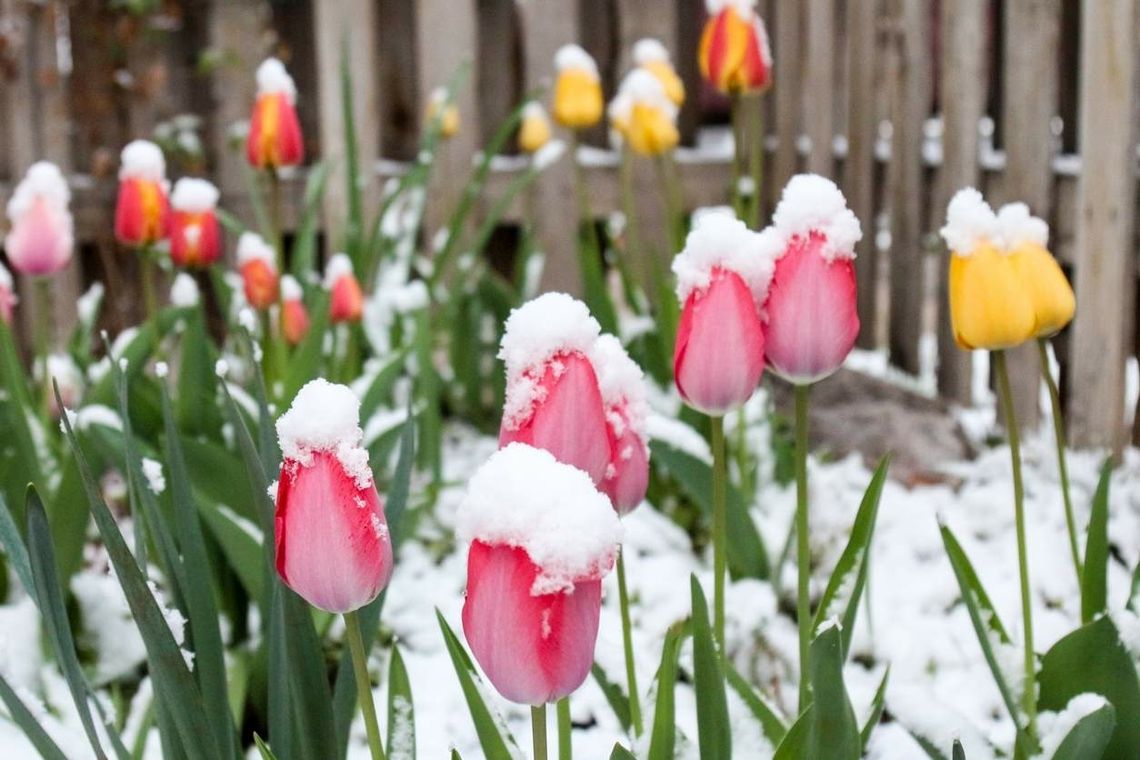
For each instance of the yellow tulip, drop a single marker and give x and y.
(448, 117)
(642, 116)
(1047, 287)
(665, 74)
(578, 100)
(650, 131)
(989, 306)
(535, 129)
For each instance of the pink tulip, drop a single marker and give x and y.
(7, 295)
(332, 538)
(553, 401)
(542, 538)
(812, 320)
(622, 384)
(41, 239)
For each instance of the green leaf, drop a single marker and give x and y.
(305, 237)
(1094, 576)
(845, 587)
(242, 548)
(14, 548)
(263, 748)
(1092, 659)
(876, 708)
(489, 728)
(355, 222)
(1089, 737)
(401, 710)
(196, 405)
(713, 731)
(827, 728)
(959, 753)
(621, 753)
(616, 698)
(663, 738)
(21, 412)
(771, 723)
(747, 557)
(23, 717)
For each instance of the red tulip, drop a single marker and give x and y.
(722, 276)
(274, 138)
(331, 536)
(346, 300)
(256, 262)
(542, 538)
(195, 235)
(622, 384)
(812, 319)
(294, 315)
(142, 212)
(7, 296)
(41, 238)
(553, 400)
(734, 55)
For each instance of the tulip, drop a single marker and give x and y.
(535, 129)
(195, 235)
(442, 108)
(40, 240)
(643, 116)
(294, 316)
(142, 212)
(256, 263)
(274, 138)
(7, 295)
(331, 536)
(553, 400)
(542, 538)
(622, 385)
(651, 55)
(811, 316)
(1025, 238)
(734, 53)
(577, 90)
(346, 301)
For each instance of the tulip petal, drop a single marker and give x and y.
(40, 241)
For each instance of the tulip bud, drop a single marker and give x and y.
(331, 537)
(651, 55)
(577, 90)
(294, 316)
(195, 235)
(734, 53)
(622, 384)
(811, 315)
(274, 138)
(441, 107)
(989, 306)
(142, 212)
(40, 240)
(346, 301)
(542, 538)
(722, 282)
(1025, 238)
(257, 263)
(553, 401)
(7, 295)
(535, 129)
(643, 116)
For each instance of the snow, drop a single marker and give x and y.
(1016, 226)
(194, 195)
(575, 58)
(325, 417)
(970, 222)
(338, 266)
(548, 154)
(291, 289)
(273, 79)
(640, 87)
(1054, 727)
(248, 320)
(523, 497)
(184, 291)
(161, 370)
(142, 159)
(743, 7)
(252, 247)
(43, 180)
(152, 471)
(719, 240)
(221, 368)
(534, 110)
(5, 277)
(649, 50)
(621, 382)
(811, 203)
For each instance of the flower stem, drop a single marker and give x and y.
(1062, 462)
(278, 239)
(756, 161)
(565, 749)
(45, 322)
(803, 547)
(720, 526)
(363, 683)
(538, 730)
(150, 299)
(627, 641)
(1028, 699)
(737, 122)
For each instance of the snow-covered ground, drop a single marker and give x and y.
(939, 681)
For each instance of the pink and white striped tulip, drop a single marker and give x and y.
(41, 237)
(542, 538)
(331, 540)
(812, 316)
(7, 295)
(722, 283)
(553, 401)
(622, 384)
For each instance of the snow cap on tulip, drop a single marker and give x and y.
(41, 238)
(273, 79)
(339, 265)
(142, 159)
(441, 106)
(346, 300)
(1016, 226)
(274, 138)
(650, 55)
(195, 235)
(142, 209)
(577, 89)
(294, 315)
(642, 114)
(970, 222)
(194, 195)
(253, 247)
(720, 241)
(1025, 239)
(573, 57)
(325, 417)
(534, 130)
(291, 289)
(734, 53)
(649, 50)
(811, 203)
(523, 497)
(622, 384)
(257, 262)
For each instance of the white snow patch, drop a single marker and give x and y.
(548, 154)
(142, 159)
(252, 246)
(325, 417)
(194, 195)
(719, 240)
(970, 222)
(575, 58)
(184, 291)
(152, 471)
(273, 79)
(811, 203)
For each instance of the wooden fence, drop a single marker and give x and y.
(902, 101)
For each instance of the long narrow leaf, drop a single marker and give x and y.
(771, 723)
(615, 697)
(876, 708)
(14, 548)
(401, 711)
(26, 720)
(827, 728)
(713, 728)
(1089, 737)
(1094, 577)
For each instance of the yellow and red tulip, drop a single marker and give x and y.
(142, 212)
(651, 55)
(274, 138)
(256, 261)
(578, 100)
(195, 235)
(294, 315)
(346, 299)
(734, 53)
(41, 237)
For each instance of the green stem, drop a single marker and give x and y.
(627, 641)
(45, 321)
(803, 547)
(150, 299)
(363, 683)
(1028, 699)
(756, 162)
(538, 730)
(565, 748)
(1062, 462)
(737, 143)
(584, 212)
(278, 240)
(670, 191)
(720, 523)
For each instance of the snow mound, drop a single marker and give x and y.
(325, 417)
(194, 195)
(969, 222)
(719, 240)
(1017, 226)
(43, 180)
(184, 291)
(811, 203)
(142, 159)
(252, 247)
(575, 57)
(338, 266)
(649, 50)
(290, 289)
(273, 79)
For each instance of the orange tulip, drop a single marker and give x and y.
(274, 131)
(734, 52)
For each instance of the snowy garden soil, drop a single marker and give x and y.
(938, 684)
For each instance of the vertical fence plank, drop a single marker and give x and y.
(1105, 210)
(818, 85)
(911, 108)
(962, 97)
(787, 69)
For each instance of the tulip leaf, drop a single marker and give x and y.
(263, 748)
(713, 729)
(1094, 576)
(827, 728)
(615, 697)
(18, 428)
(67, 511)
(493, 734)
(747, 557)
(15, 549)
(840, 598)
(218, 476)
(876, 713)
(303, 260)
(196, 405)
(959, 753)
(663, 737)
(382, 382)
(1089, 737)
(621, 753)
(241, 542)
(1093, 659)
(771, 723)
(401, 710)
(19, 714)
